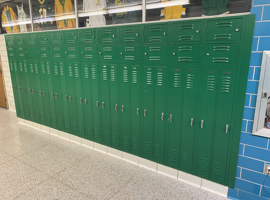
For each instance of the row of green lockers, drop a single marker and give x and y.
(180, 116)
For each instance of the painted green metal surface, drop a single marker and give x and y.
(171, 92)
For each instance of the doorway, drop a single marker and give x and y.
(3, 99)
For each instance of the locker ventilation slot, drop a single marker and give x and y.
(154, 58)
(190, 81)
(107, 49)
(48, 69)
(107, 40)
(112, 74)
(149, 78)
(204, 165)
(43, 70)
(70, 73)
(186, 27)
(129, 39)
(129, 58)
(185, 37)
(185, 48)
(61, 70)
(159, 79)
(221, 48)
(211, 83)
(108, 57)
(36, 68)
(226, 84)
(173, 156)
(157, 152)
(176, 80)
(76, 72)
(184, 59)
(134, 77)
(93, 73)
(155, 39)
(186, 160)
(125, 76)
(104, 74)
(216, 169)
(129, 49)
(86, 73)
(89, 56)
(220, 60)
(56, 70)
(223, 36)
(223, 24)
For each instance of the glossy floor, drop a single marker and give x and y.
(36, 165)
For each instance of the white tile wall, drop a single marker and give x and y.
(6, 74)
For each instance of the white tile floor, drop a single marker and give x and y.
(36, 165)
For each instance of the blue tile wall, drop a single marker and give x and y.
(257, 73)
(255, 177)
(249, 113)
(253, 101)
(247, 186)
(241, 148)
(256, 59)
(247, 196)
(257, 141)
(264, 44)
(265, 191)
(262, 28)
(252, 87)
(250, 163)
(257, 11)
(249, 126)
(232, 193)
(266, 13)
(244, 125)
(253, 152)
(260, 2)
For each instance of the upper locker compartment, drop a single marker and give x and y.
(156, 33)
(70, 37)
(88, 36)
(30, 41)
(130, 34)
(42, 38)
(108, 35)
(185, 31)
(220, 30)
(11, 47)
(56, 39)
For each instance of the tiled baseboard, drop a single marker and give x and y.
(141, 162)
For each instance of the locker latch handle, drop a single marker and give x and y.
(51, 94)
(32, 91)
(85, 101)
(227, 128)
(144, 112)
(122, 108)
(56, 96)
(70, 98)
(162, 116)
(116, 107)
(191, 122)
(202, 123)
(138, 110)
(43, 93)
(65, 97)
(81, 100)
(103, 104)
(97, 104)
(170, 118)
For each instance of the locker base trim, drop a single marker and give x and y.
(141, 162)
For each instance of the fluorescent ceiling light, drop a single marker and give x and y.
(16, 23)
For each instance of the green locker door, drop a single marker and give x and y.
(70, 37)
(131, 54)
(186, 53)
(189, 110)
(89, 53)
(21, 80)
(206, 110)
(14, 86)
(108, 54)
(28, 90)
(87, 98)
(155, 54)
(108, 35)
(71, 97)
(88, 37)
(43, 38)
(51, 92)
(96, 101)
(160, 116)
(136, 108)
(148, 113)
(20, 114)
(131, 34)
(105, 105)
(71, 52)
(63, 68)
(186, 31)
(115, 106)
(124, 108)
(223, 119)
(44, 78)
(156, 33)
(78, 73)
(174, 110)
(56, 38)
(57, 73)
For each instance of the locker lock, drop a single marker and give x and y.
(162, 116)
(144, 112)
(174, 54)
(170, 118)
(70, 98)
(100, 53)
(138, 110)
(164, 33)
(121, 53)
(85, 101)
(116, 107)
(103, 104)
(65, 97)
(145, 53)
(197, 31)
(137, 34)
(39, 92)
(237, 30)
(66, 52)
(207, 54)
(82, 53)
(52, 94)
(81, 100)
(113, 35)
(56, 95)
(93, 36)
(97, 104)
(32, 91)
(227, 128)
(122, 108)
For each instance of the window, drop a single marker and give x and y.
(261, 125)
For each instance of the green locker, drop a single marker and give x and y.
(70, 37)
(71, 52)
(89, 54)
(148, 113)
(71, 97)
(45, 52)
(223, 125)
(43, 38)
(108, 54)
(14, 86)
(108, 35)
(88, 37)
(20, 114)
(105, 105)
(96, 100)
(185, 53)
(136, 109)
(131, 54)
(155, 54)
(224, 30)
(87, 101)
(174, 110)
(56, 38)
(204, 134)
(186, 31)
(22, 89)
(78, 73)
(44, 79)
(189, 112)
(160, 116)
(124, 108)
(156, 33)
(115, 105)
(19, 40)
(130, 34)
(57, 72)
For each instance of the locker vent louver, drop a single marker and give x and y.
(43, 70)
(112, 74)
(76, 72)
(186, 159)
(204, 165)
(25, 67)
(210, 86)
(159, 78)
(157, 152)
(56, 70)
(223, 24)
(86, 73)
(36, 68)
(185, 37)
(222, 36)
(108, 57)
(125, 76)
(216, 169)
(190, 81)
(176, 80)
(61, 70)
(93, 70)
(173, 156)
(48, 69)
(129, 58)
(134, 77)
(148, 149)
(185, 48)
(129, 39)
(226, 84)
(104, 73)
(70, 73)
(149, 78)
(129, 49)
(184, 59)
